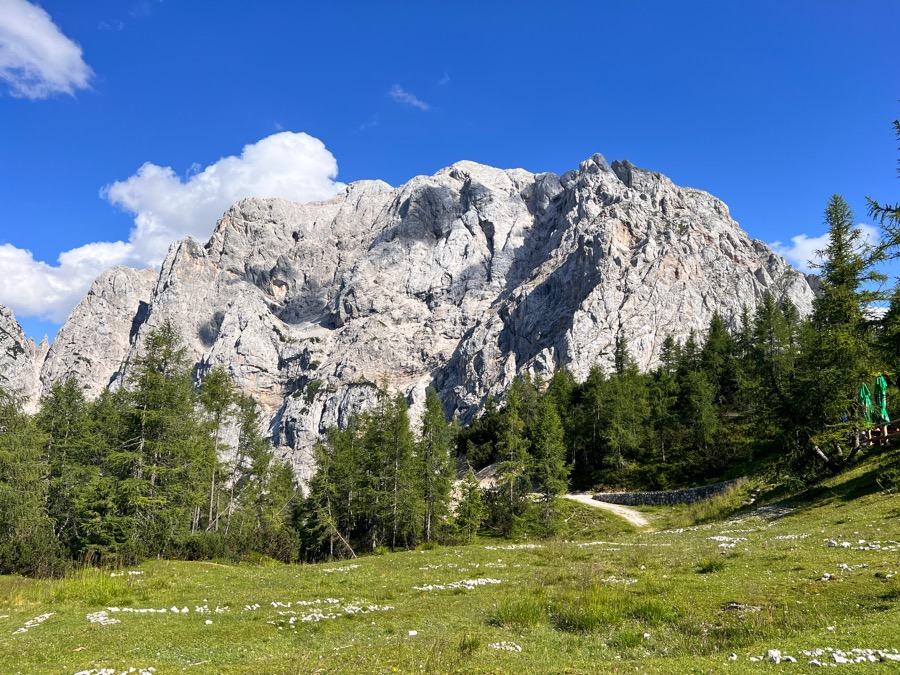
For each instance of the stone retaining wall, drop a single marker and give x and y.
(666, 497)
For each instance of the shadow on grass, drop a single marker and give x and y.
(871, 470)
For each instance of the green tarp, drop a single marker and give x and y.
(865, 398)
(881, 400)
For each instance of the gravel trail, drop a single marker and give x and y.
(633, 516)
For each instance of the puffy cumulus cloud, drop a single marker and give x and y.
(33, 288)
(293, 166)
(36, 59)
(802, 249)
(166, 208)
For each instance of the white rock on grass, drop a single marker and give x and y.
(112, 671)
(505, 646)
(31, 623)
(468, 584)
(102, 618)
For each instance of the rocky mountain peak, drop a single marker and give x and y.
(459, 280)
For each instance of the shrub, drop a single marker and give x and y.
(711, 564)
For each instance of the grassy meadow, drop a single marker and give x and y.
(695, 593)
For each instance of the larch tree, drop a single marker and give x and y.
(550, 471)
(437, 465)
(471, 509)
(838, 350)
(216, 397)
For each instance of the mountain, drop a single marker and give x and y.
(458, 280)
(20, 360)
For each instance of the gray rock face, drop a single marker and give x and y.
(458, 280)
(20, 360)
(97, 336)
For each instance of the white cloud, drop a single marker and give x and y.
(166, 208)
(802, 250)
(400, 95)
(36, 59)
(445, 79)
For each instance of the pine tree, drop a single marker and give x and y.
(348, 474)
(562, 390)
(889, 336)
(104, 524)
(621, 356)
(249, 469)
(478, 441)
(280, 501)
(390, 497)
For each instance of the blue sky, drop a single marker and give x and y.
(115, 114)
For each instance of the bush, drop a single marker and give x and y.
(711, 564)
(38, 555)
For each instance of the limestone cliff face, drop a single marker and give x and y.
(99, 333)
(20, 360)
(458, 280)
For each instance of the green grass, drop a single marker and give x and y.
(600, 599)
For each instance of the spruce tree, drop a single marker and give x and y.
(28, 544)
(627, 414)
(718, 362)
(770, 364)
(71, 451)
(589, 444)
(663, 399)
(700, 409)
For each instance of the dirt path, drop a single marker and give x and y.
(634, 517)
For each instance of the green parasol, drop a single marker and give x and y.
(881, 399)
(865, 397)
